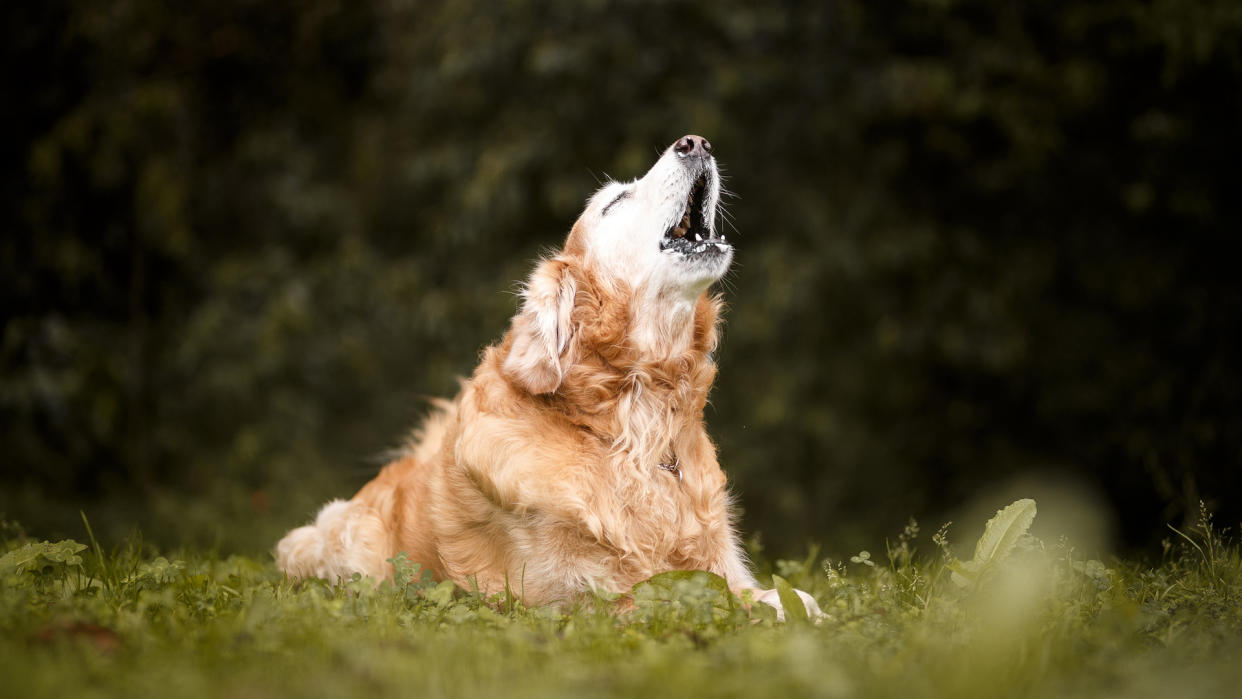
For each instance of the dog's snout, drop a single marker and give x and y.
(692, 145)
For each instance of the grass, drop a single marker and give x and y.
(1024, 617)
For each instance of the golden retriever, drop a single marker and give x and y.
(575, 459)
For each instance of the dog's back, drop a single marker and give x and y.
(360, 535)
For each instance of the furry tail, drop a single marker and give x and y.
(346, 538)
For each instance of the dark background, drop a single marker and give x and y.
(985, 249)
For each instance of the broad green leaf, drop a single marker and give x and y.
(962, 573)
(690, 591)
(795, 610)
(35, 555)
(1003, 531)
(1000, 536)
(441, 595)
(665, 585)
(65, 551)
(19, 559)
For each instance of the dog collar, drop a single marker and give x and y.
(673, 468)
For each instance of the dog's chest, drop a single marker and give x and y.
(657, 511)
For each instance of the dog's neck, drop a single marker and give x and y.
(662, 324)
(635, 327)
(669, 340)
(640, 366)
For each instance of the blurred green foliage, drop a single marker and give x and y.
(243, 240)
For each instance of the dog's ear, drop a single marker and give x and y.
(542, 331)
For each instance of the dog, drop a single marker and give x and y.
(575, 458)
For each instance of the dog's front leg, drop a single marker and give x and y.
(735, 570)
(772, 598)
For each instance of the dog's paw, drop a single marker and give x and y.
(773, 599)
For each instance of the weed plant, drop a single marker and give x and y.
(1023, 617)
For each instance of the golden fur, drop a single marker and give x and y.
(543, 473)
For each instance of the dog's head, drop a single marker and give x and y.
(658, 233)
(654, 238)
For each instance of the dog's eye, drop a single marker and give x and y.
(613, 203)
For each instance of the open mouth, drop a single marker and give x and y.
(693, 233)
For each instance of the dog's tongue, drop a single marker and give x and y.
(683, 227)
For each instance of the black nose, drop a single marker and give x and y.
(693, 145)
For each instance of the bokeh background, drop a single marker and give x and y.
(985, 249)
